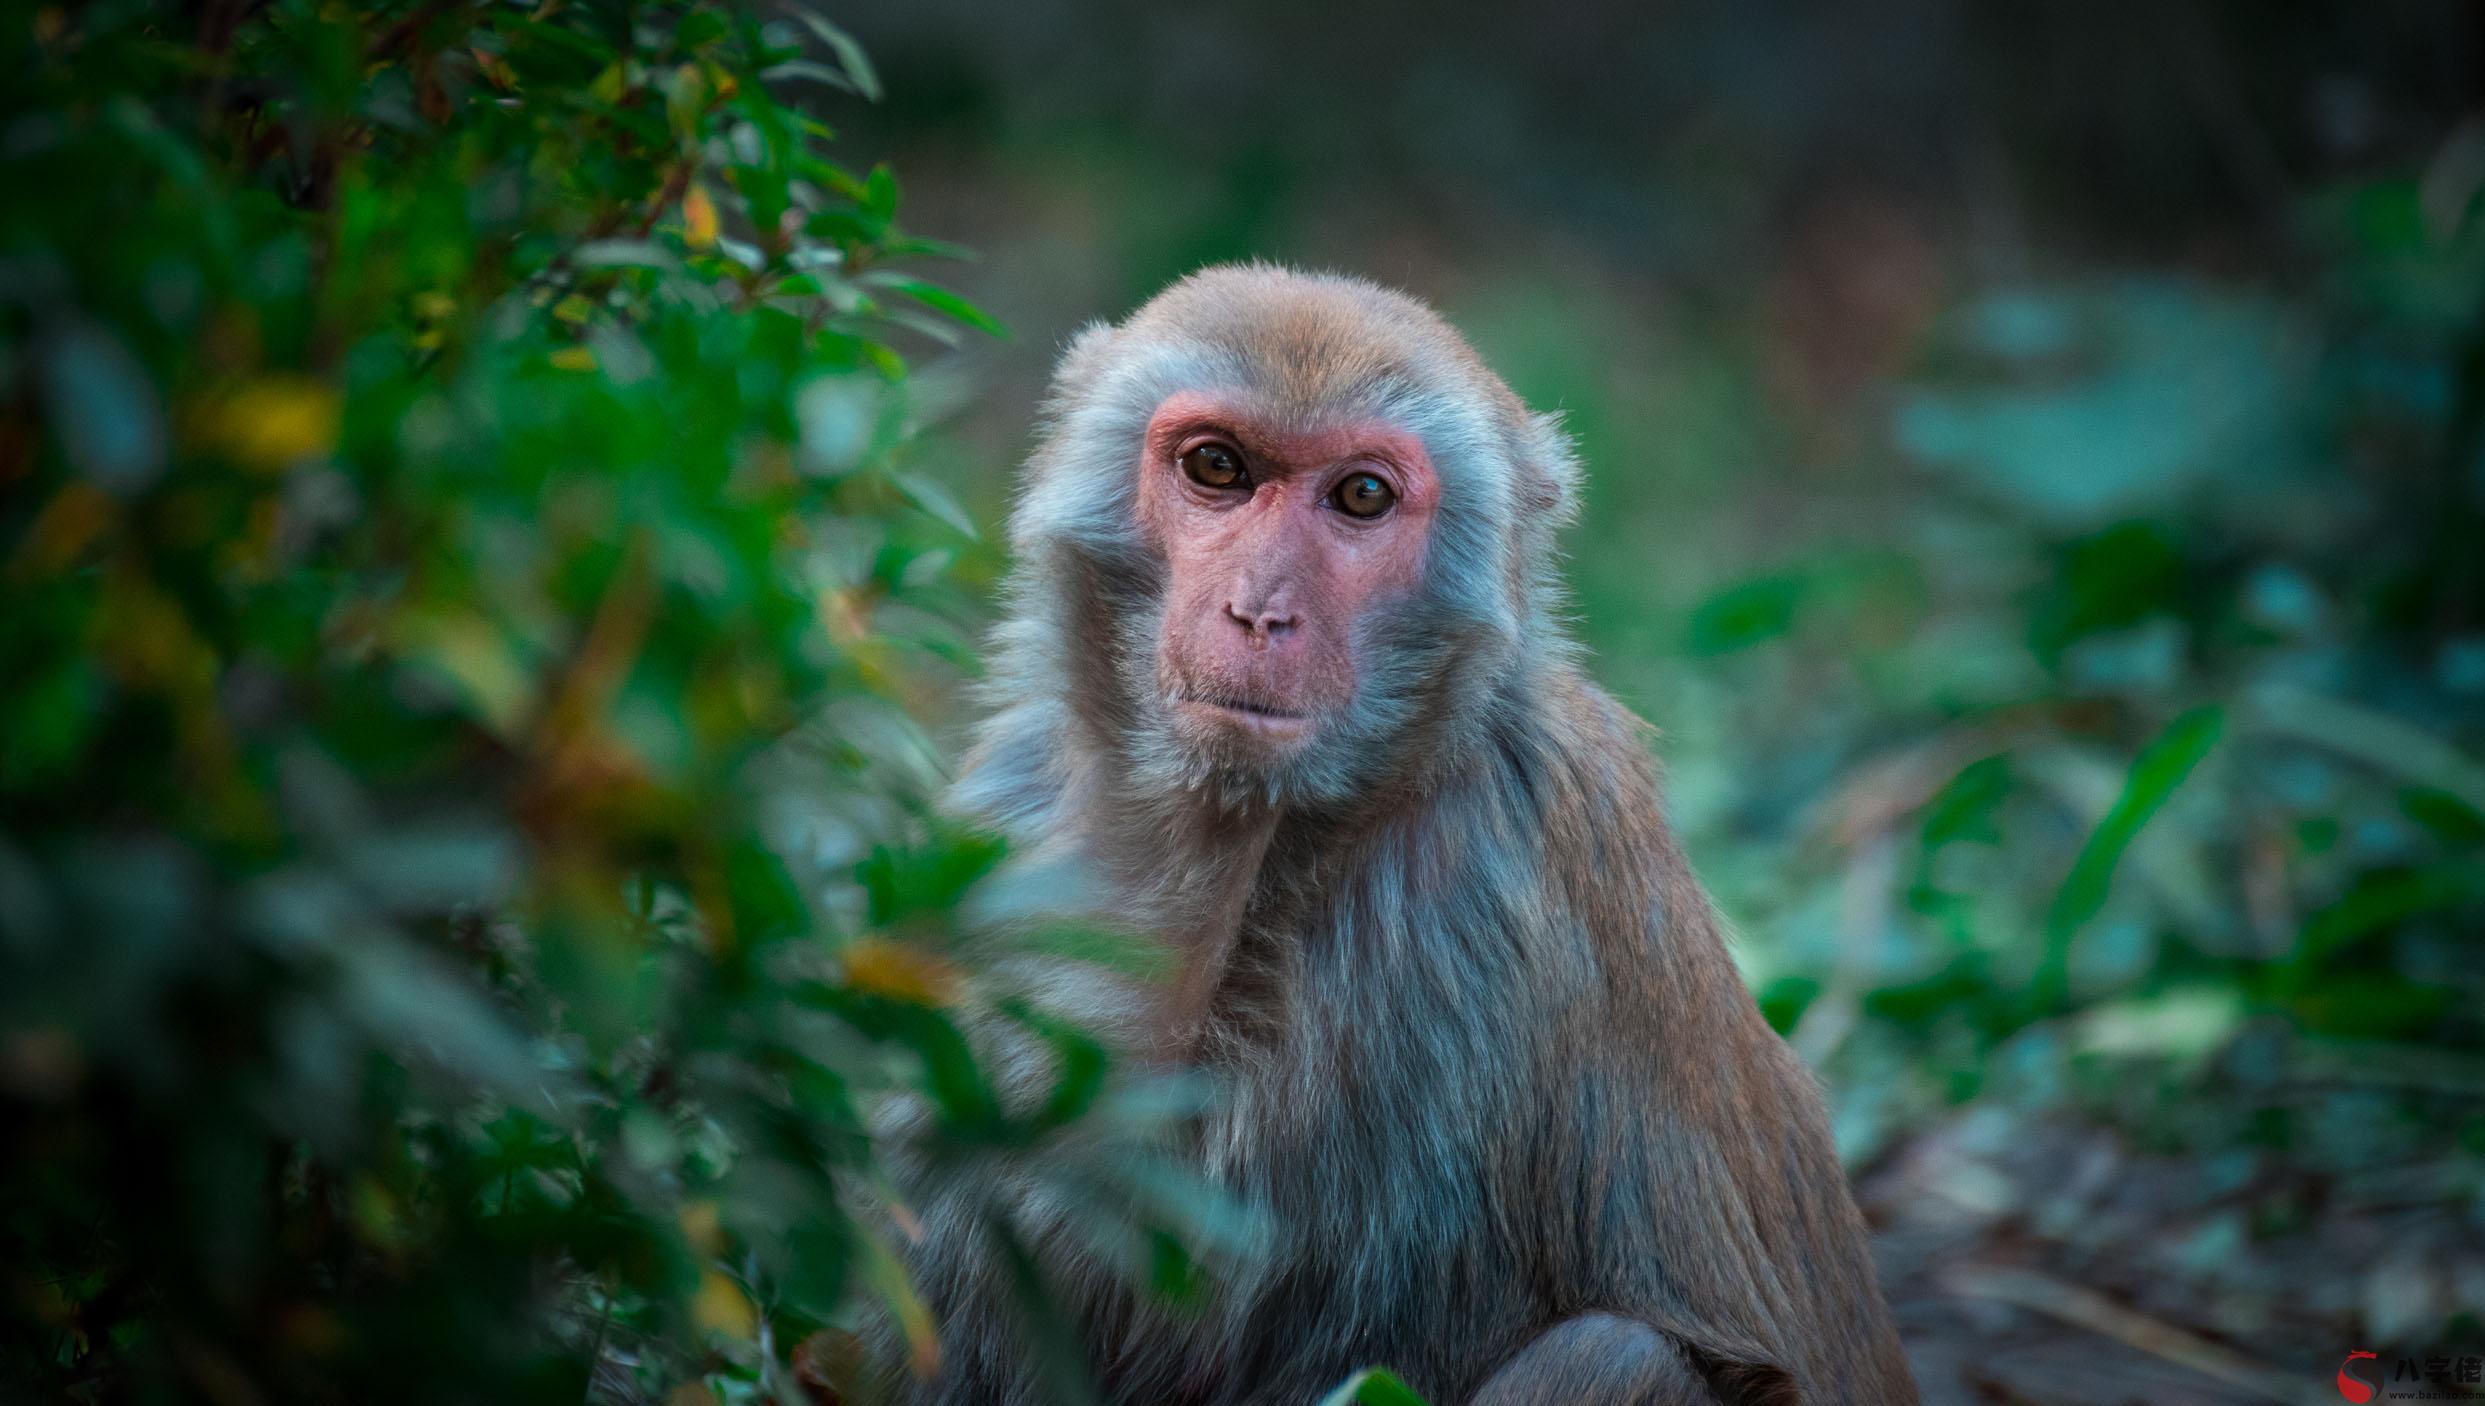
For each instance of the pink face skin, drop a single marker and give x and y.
(1266, 579)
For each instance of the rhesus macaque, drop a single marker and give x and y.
(1286, 686)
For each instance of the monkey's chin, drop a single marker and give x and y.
(1264, 727)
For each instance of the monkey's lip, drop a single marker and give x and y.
(1261, 719)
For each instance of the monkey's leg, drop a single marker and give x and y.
(1597, 1359)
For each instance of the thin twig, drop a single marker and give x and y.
(595, 1352)
(2086, 1308)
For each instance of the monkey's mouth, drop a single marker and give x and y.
(1260, 719)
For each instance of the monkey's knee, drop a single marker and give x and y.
(1597, 1359)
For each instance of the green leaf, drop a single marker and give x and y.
(1372, 1387)
(879, 198)
(850, 55)
(699, 29)
(1746, 615)
(804, 70)
(939, 299)
(2383, 900)
(904, 881)
(908, 246)
(2156, 773)
(931, 496)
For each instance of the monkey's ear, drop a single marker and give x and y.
(1549, 469)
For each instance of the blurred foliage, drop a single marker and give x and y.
(2157, 709)
(466, 874)
(2131, 768)
(468, 573)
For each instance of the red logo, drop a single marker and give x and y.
(2351, 1386)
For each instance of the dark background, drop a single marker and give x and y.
(2034, 489)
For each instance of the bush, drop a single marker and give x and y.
(462, 601)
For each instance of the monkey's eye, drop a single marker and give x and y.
(1214, 465)
(1363, 495)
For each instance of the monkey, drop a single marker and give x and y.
(1284, 684)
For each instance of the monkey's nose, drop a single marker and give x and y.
(1264, 622)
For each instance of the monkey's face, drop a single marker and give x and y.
(1290, 532)
(1281, 542)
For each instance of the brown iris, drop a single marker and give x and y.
(1214, 465)
(1363, 495)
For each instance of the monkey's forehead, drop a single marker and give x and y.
(1307, 346)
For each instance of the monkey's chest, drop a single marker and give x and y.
(1385, 1243)
(1368, 1063)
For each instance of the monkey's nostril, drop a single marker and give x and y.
(1262, 622)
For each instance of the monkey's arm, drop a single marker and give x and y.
(1597, 1359)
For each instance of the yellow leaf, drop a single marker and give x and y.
(701, 1227)
(574, 359)
(493, 69)
(887, 1275)
(375, 1213)
(846, 611)
(478, 656)
(908, 1223)
(685, 97)
(250, 554)
(147, 637)
(900, 972)
(74, 517)
(698, 217)
(607, 86)
(721, 1307)
(272, 423)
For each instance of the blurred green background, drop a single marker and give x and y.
(494, 521)
(2036, 489)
